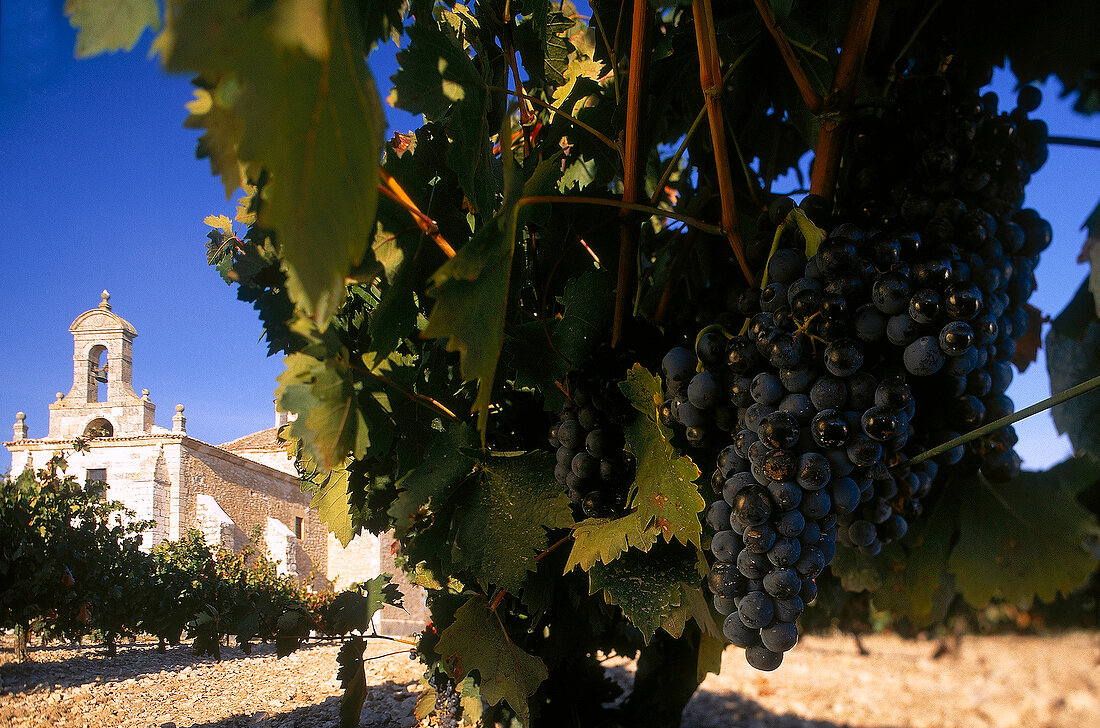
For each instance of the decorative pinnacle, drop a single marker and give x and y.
(105, 303)
(20, 416)
(179, 408)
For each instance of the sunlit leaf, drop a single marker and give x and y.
(110, 25)
(476, 640)
(664, 491)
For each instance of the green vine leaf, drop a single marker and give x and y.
(353, 679)
(664, 490)
(436, 78)
(503, 529)
(331, 500)
(602, 540)
(916, 582)
(471, 290)
(108, 26)
(476, 640)
(1073, 356)
(588, 302)
(1027, 537)
(323, 393)
(424, 490)
(355, 607)
(648, 587)
(311, 119)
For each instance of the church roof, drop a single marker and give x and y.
(267, 440)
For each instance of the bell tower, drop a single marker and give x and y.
(101, 402)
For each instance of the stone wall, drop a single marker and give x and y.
(250, 494)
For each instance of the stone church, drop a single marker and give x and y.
(182, 483)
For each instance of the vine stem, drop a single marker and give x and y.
(392, 189)
(711, 82)
(1036, 408)
(556, 110)
(605, 202)
(1074, 141)
(810, 96)
(838, 102)
(628, 230)
(418, 398)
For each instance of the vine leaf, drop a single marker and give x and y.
(476, 640)
(588, 303)
(647, 587)
(355, 607)
(1028, 345)
(212, 111)
(915, 579)
(104, 26)
(436, 78)
(1073, 356)
(424, 489)
(711, 649)
(323, 393)
(500, 534)
(471, 290)
(353, 679)
(1025, 538)
(603, 540)
(329, 487)
(311, 119)
(664, 491)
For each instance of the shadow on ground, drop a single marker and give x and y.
(728, 709)
(92, 664)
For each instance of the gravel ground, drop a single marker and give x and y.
(999, 682)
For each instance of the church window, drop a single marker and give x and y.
(96, 475)
(299, 527)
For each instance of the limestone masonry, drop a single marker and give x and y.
(181, 483)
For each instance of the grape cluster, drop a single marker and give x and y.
(446, 700)
(895, 336)
(949, 170)
(592, 463)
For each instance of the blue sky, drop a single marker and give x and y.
(100, 189)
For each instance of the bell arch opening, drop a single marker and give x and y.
(99, 427)
(97, 373)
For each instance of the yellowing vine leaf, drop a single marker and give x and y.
(110, 25)
(476, 640)
(664, 491)
(212, 110)
(602, 540)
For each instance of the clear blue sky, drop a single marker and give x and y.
(100, 188)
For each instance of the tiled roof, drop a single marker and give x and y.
(263, 440)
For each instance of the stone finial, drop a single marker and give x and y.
(105, 303)
(59, 396)
(145, 396)
(179, 422)
(20, 427)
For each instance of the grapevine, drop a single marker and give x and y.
(611, 391)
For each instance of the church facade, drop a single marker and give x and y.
(227, 491)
